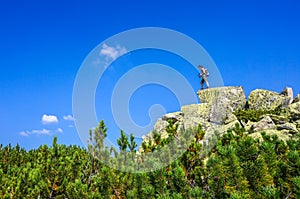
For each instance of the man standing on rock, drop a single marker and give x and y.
(204, 74)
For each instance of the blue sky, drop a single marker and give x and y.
(254, 44)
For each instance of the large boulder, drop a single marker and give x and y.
(266, 100)
(288, 92)
(196, 110)
(232, 97)
(214, 113)
(222, 102)
(195, 114)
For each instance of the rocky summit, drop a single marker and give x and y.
(222, 108)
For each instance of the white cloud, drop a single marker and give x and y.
(68, 117)
(70, 126)
(23, 133)
(36, 132)
(41, 132)
(48, 119)
(111, 53)
(59, 130)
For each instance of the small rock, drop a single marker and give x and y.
(278, 119)
(226, 127)
(288, 126)
(230, 118)
(264, 124)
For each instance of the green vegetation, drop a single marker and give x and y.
(252, 115)
(237, 167)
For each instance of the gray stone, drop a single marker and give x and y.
(278, 119)
(264, 124)
(230, 118)
(222, 102)
(266, 100)
(232, 97)
(195, 114)
(196, 110)
(291, 128)
(224, 128)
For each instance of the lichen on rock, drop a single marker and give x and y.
(222, 102)
(266, 100)
(282, 135)
(232, 97)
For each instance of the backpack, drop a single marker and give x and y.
(206, 73)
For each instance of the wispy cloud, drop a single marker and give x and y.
(23, 133)
(111, 53)
(68, 117)
(40, 132)
(49, 119)
(35, 132)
